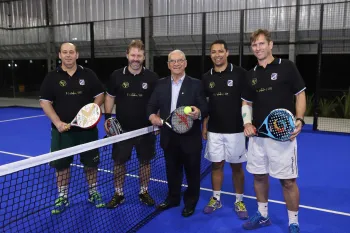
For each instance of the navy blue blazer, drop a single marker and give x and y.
(191, 94)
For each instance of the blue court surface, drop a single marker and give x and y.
(323, 160)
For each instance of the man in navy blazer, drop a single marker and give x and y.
(180, 150)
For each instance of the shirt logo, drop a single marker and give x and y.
(229, 83)
(211, 85)
(81, 82)
(254, 81)
(63, 83)
(125, 84)
(273, 76)
(144, 85)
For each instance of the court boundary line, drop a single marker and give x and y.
(22, 118)
(210, 190)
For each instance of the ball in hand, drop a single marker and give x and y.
(187, 110)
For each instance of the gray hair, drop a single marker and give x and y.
(177, 51)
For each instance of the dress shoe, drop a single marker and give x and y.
(166, 205)
(187, 212)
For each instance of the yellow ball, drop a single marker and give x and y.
(187, 110)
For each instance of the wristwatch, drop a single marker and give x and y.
(301, 120)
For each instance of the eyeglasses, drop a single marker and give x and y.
(179, 61)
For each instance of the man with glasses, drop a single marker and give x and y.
(182, 151)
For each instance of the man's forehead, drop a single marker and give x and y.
(68, 46)
(176, 55)
(217, 46)
(260, 38)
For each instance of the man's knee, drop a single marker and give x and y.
(217, 165)
(260, 177)
(288, 183)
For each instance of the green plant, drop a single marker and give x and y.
(309, 105)
(344, 103)
(327, 107)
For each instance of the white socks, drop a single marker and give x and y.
(239, 197)
(63, 191)
(262, 207)
(92, 188)
(216, 194)
(119, 191)
(293, 217)
(143, 189)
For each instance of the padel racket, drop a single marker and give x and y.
(278, 125)
(113, 127)
(87, 117)
(178, 121)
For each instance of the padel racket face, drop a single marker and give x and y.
(180, 122)
(114, 127)
(88, 116)
(279, 125)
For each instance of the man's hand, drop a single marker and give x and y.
(62, 126)
(249, 130)
(298, 126)
(195, 113)
(155, 120)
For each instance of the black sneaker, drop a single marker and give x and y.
(146, 199)
(117, 199)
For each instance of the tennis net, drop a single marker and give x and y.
(28, 191)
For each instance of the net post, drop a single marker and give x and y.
(319, 70)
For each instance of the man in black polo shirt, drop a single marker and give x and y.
(273, 83)
(130, 89)
(224, 126)
(63, 93)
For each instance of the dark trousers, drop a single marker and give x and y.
(176, 161)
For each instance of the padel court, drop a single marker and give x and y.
(323, 159)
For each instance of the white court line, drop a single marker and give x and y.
(210, 190)
(9, 153)
(22, 118)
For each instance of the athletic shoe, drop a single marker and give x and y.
(96, 199)
(212, 205)
(117, 199)
(146, 199)
(60, 205)
(256, 221)
(294, 228)
(241, 210)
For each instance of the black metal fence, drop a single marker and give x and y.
(315, 36)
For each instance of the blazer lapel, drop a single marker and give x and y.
(181, 100)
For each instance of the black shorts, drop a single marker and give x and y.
(144, 145)
(69, 139)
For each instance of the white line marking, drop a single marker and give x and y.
(9, 153)
(206, 189)
(22, 118)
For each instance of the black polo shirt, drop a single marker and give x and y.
(69, 94)
(272, 87)
(132, 93)
(224, 91)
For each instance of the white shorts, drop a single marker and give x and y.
(228, 147)
(268, 156)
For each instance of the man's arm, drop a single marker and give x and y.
(247, 115)
(153, 107)
(300, 108)
(52, 115)
(99, 99)
(205, 128)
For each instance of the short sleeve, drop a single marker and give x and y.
(97, 87)
(112, 85)
(297, 82)
(248, 92)
(47, 89)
